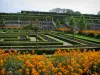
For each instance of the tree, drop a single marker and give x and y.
(77, 13)
(98, 13)
(57, 23)
(86, 24)
(59, 10)
(69, 11)
(72, 24)
(3, 22)
(48, 18)
(82, 23)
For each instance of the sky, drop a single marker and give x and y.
(84, 6)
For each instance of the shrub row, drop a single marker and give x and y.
(16, 39)
(64, 39)
(12, 43)
(86, 39)
(7, 36)
(15, 34)
(82, 38)
(41, 39)
(98, 42)
(52, 38)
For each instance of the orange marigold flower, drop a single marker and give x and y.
(59, 73)
(20, 71)
(2, 71)
(54, 69)
(95, 73)
(70, 67)
(39, 64)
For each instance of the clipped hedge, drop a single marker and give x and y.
(22, 43)
(86, 39)
(15, 39)
(82, 37)
(41, 39)
(64, 39)
(7, 36)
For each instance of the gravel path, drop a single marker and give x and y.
(32, 39)
(64, 43)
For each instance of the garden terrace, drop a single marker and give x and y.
(23, 40)
(25, 17)
(18, 38)
(65, 39)
(91, 40)
(82, 37)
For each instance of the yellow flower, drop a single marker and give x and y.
(80, 71)
(33, 51)
(44, 70)
(1, 63)
(94, 67)
(27, 71)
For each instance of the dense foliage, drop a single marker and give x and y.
(73, 62)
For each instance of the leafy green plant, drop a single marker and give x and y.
(13, 64)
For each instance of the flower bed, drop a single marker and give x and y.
(60, 63)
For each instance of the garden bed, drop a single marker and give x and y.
(61, 63)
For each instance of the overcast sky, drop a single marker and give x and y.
(84, 6)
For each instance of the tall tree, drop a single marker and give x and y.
(48, 18)
(72, 24)
(57, 23)
(86, 24)
(69, 11)
(82, 23)
(3, 21)
(98, 13)
(77, 13)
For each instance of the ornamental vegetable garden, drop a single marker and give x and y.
(41, 43)
(61, 55)
(24, 39)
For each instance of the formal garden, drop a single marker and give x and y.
(58, 52)
(41, 44)
(46, 40)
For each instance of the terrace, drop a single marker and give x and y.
(21, 40)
